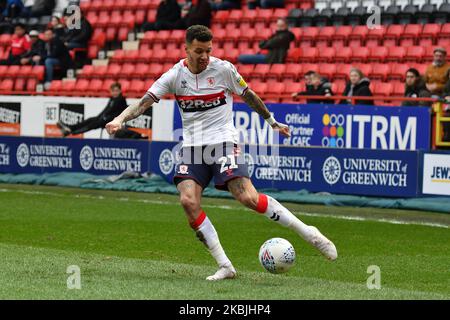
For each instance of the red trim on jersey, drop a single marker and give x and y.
(185, 63)
(263, 203)
(197, 223)
(205, 97)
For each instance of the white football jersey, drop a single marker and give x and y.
(205, 100)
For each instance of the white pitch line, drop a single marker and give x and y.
(225, 207)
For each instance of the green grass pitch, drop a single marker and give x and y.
(139, 246)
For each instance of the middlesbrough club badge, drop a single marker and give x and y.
(211, 81)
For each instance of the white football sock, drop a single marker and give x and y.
(272, 209)
(207, 234)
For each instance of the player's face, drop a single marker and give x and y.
(198, 54)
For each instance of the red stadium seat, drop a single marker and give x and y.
(156, 70)
(366, 69)
(341, 36)
(122, 34)
(142, 70)
(277, 71)
(328, 70)
(309, 54)
(68, 87)
(393, 33)
(12, 71)
(445, 30)
(383, 89)
(113, 71)
(19, 84)
(309, 36)
(380, 71)
(358, 36)
(95, 87)
(246, 70)
(430, 31)
(326, 54)
(325, 35)
(378, 54)
(25, 71)
(260, 71)
(259, 87)
(263, 14)
(87, 71)
(374, 36)
(235, 15)
(100, 71)
(277, 88)
(410, 35)
(343, 54)
(137, 86)
(396, 54)
(294, 55)
(81, 87)
(360, 54)
(342, 71)
(398, 71)
(31, 85)
(145, 55)
(222, 16)
(55, 86)
(127, 70)
(398, 88)
(310, 67)
(38, 72)
(414, 54)
(293, 71)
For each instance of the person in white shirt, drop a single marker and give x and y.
(203, 87)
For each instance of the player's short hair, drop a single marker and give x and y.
(199, 32)
(309, 73)
(115, 85)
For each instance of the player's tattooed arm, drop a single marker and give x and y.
(255, 102)
(135, 110)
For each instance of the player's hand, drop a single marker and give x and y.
(113, 126)
(284, 129)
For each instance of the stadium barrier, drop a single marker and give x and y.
(96, 156)
(387, 173)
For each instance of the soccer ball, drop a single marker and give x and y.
(277, 255)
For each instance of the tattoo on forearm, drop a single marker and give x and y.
(236, 186)
(136, 110)
(255, 102)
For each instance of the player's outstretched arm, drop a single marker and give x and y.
(133, 111)
(255, 102)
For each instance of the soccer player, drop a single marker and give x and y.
(203, 87)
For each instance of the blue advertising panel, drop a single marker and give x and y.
(337, 126)
(334, 170)
(39, 155)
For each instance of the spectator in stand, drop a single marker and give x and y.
(76, 37)
(198, 12)
(167, 15)
(57, 26)
(37, 51)
(358, 86)
(278, 46)
(415, 88)
(20, 44)
(116, 104)
(13, 9)
(265, 4)
(42, 8)
(435, 75)
(225, 4)
(318, 87)
(56, 54)
(446, 96)
(307, 78)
